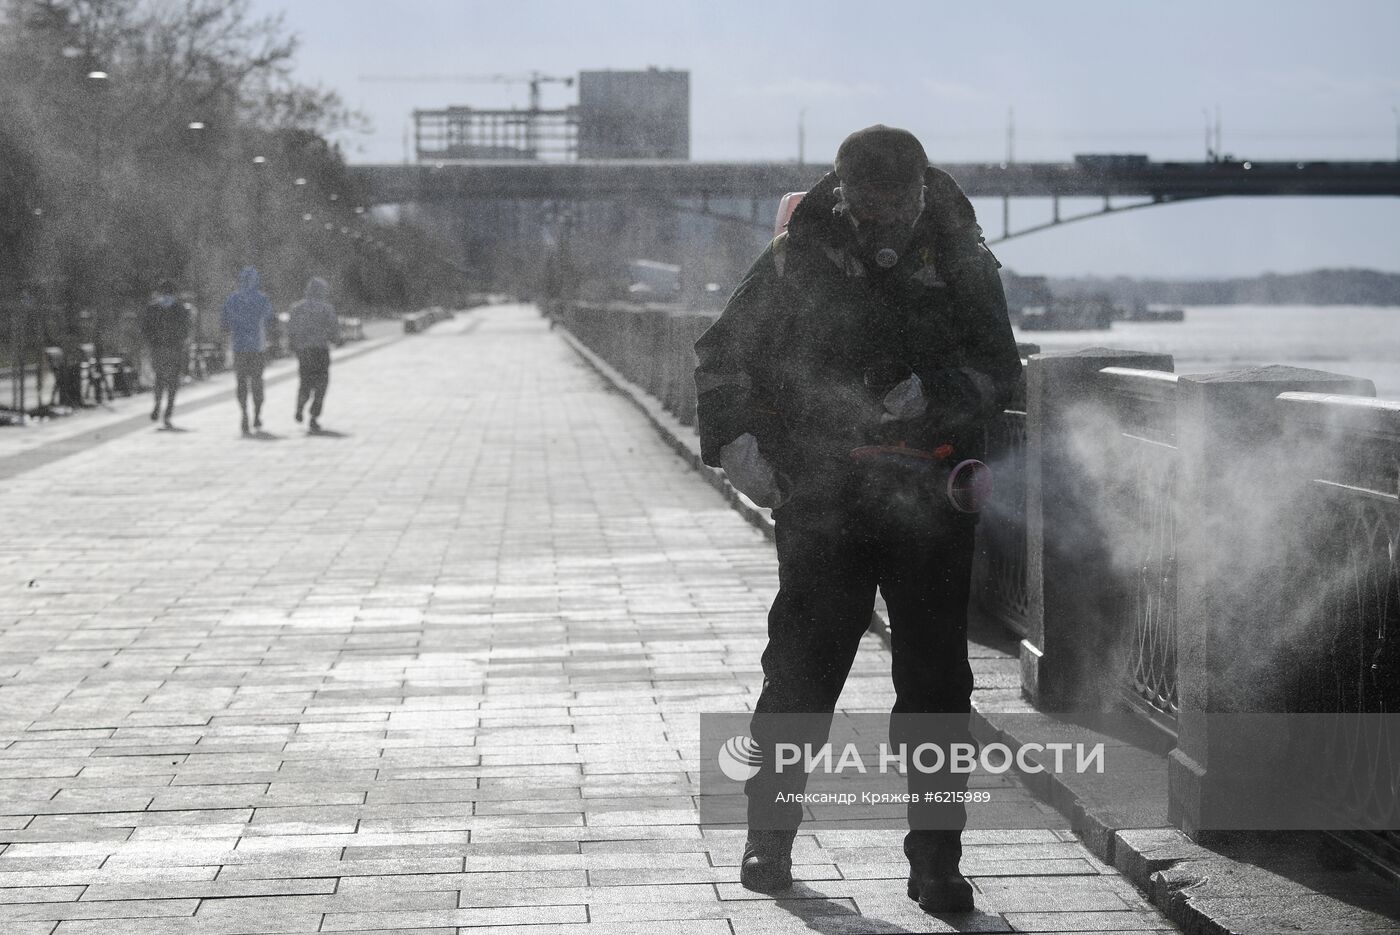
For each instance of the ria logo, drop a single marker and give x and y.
(739, 758)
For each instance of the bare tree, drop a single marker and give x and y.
(150, 171)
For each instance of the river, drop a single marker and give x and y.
(1357, 340)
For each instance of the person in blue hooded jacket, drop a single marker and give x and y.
(246, 315)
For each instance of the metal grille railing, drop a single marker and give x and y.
(1349, 550)
(1364, 664)
(1000, 573)
(1151, 594)
(1142, 405)
(1355, 758)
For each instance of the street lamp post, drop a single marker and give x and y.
(18, 331)
(197, 129)
(98, 81)
(259, 163)
(23, 322)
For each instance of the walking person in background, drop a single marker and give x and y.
(165, 325)
(313, 327)
(246, 315)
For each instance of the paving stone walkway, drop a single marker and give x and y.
(437, 671)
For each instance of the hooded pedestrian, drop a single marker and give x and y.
(246, 315)
(313, 327)
(165, 325)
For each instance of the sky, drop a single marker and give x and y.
(1291, 80)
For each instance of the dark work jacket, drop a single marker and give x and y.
(814, 337)
(166, 324)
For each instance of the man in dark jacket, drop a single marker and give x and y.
(165, 325)
(312, 327)
(867, 346)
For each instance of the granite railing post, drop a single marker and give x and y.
(584, 324)
(637, 322)
(1067, 554)
(670, 364)
(656, 318)
(679, 368)
(620, 339)
(694, 325)
(1237, 486)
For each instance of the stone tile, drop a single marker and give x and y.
(102, 876)
(274, 867)
(167, 889)
(278, 925)
(39, 894)
(492, 880)
(117, 909)
(780, 924)
(692, 927)
(466, 918)
(1077, 866)
(726, 874)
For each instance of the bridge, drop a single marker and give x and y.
(674, 182)
(1161, 181)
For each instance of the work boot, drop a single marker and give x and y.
(934, 879)
(766, 866)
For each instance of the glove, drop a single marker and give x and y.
(905, 401)
(750, 473)
(960, 395)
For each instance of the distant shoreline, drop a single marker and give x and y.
(1318, 287)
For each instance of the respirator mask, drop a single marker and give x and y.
(882, 216)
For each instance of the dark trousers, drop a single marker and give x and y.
(314, 373)
(169, 366)
(248, 369)
(830, 562)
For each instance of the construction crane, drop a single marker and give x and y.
(534, 79)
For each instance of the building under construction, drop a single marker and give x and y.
(619, 115)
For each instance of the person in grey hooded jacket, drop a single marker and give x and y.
(312, 328)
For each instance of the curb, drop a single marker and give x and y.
(1173, 872)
